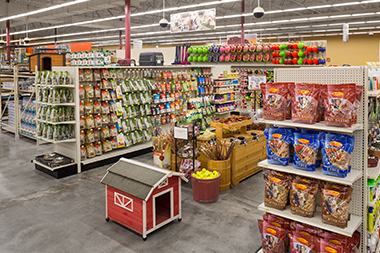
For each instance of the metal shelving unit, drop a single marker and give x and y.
(8, 94)
(359, 173)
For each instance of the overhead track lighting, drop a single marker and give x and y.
(50, 8)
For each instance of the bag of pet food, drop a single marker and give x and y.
(340, 104)
(303, 196)
(275, 101)
(335, 204)
(336, 154)
(276, 189)
(303, 242)
(320, 116)
(306, 147)
(305, 103)
(279, 141)
(277, 221)
(274, 238)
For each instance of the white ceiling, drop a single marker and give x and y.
(96, 9)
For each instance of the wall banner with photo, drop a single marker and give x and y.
(202, 20)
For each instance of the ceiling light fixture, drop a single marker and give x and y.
(50, 8)
(193, 6)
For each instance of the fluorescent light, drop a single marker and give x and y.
(123, 16)
(319, 7)
(194, 6)
(50, 8)
(346, 4)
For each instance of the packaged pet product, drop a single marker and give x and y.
(303, 196)
(83, 152)
(90, 150)
(303, 242)
(89, 90)
(107, 147)
(275, 101)
(276, 189)
(306, 146)
(274, 238)
(305, 103)
(98, 148)
(335, 204)
(278, 145)
(340, 104)
(336, 154)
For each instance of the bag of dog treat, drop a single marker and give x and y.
(303, 196)
(305, 103)
(336, 154)
(335, 204)
(275, 101)
(279, 141)
(276, 189)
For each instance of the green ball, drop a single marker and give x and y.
(282, 61)
(301, 45)
(205, 58)
(200, 58)
(205, 50)
(282, 53)
(300, 61)
(199, 50)
(195, 58)
(190, 50)
(301, 54)
(190, 58)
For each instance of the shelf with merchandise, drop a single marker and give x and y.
(339, 180)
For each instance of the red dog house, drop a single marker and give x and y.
(141, 197)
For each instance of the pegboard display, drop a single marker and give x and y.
(340, 75)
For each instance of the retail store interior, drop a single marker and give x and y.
(190, 126)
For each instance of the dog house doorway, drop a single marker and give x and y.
(46, 63)
(163, 206)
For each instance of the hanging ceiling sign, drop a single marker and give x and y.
(193, 21)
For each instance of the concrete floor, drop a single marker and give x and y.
(41, 214)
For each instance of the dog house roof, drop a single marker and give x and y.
(135, 178)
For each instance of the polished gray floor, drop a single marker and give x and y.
(42, 214)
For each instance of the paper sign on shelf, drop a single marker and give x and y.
(255, 81)
(181, 133)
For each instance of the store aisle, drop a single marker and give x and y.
(42, 214)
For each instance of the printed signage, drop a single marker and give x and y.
(193, 21)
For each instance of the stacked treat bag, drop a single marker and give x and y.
(280, 235)
(332, 105)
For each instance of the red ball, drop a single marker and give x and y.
(315, 49)
(310, 61)
(305, 61)
(315, 61)
(274, 61)
(295, 61)
(295, 54)
(309, 49)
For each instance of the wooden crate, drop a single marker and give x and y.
(232, 127)
(245, 158)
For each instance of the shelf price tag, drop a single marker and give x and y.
(255, 81)
(181, 133)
